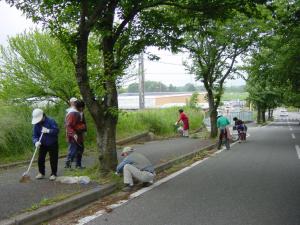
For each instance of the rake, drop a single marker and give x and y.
(26, 177)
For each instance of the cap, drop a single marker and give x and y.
(37, 116)
(73, 99)
(127, 150)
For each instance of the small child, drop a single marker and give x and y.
(185, 120)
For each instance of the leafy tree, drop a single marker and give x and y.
(194, 100)
(172, 88)
(214, 48)
(189, 87)
(133, 88)
(36, 65)
(274, 70)
(123, 29)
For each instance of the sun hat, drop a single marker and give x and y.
(73, 99)
(37, 116)
(127, 150)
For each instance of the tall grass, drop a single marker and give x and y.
(159, 121)
(16, 129)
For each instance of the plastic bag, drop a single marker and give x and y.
(73, 180)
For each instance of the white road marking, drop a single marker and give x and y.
(291, 129)
(293, 136)
(298, 150)
(87, 219)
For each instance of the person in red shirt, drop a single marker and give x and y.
(185, 120)
(75, 128)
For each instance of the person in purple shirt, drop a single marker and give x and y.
(48, 143)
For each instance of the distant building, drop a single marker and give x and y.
(157, 100)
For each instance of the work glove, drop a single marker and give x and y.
(45, 130)
(75, 137)
(38, 144)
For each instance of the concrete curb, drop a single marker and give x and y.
(119, 142)
(49, 212)
(182, 158)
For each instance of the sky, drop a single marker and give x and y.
(169, 70)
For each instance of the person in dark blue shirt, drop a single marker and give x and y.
(45, 137)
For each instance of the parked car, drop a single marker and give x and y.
(283, 112)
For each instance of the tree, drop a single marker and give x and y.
(189, 87)
(274, 69)
(123, 29)
(214, 48)
(133, 88)
(36, 65)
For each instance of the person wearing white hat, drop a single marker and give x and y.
(135, 165)
(48, 143)
(72, 107)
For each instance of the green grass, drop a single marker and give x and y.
(16, 129)
(50, 201)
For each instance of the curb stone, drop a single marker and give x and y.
(49, 212)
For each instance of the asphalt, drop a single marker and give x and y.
(256, 182)
(18, 197)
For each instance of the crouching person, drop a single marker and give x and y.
(135, 165)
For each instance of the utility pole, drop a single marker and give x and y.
(141, 82)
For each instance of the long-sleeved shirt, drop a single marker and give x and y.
(75, 124)
(137, 160)
(222, 122)
(50, 138)
(185, 121)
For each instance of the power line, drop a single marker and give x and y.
(175, 64)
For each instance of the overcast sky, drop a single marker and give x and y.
(169, 70)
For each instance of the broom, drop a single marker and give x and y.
(25, 177)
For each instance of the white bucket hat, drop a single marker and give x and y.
(127, 150)
(37, 116)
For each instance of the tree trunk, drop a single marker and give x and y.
(263, 115)
(212, 114)
(258, 119)
(213, 123)
(106, 142)
(269, 114)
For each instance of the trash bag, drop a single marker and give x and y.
(73, 180)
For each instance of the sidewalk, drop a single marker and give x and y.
(17, 197)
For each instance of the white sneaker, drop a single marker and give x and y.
(52, 177)
(39, 176)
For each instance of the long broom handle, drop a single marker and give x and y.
(36, 148)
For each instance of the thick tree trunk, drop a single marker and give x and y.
(106, 142)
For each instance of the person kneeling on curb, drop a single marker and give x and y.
(135, 165)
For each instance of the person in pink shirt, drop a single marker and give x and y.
(185, 120)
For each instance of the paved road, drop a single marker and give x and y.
(16, 197)
(255, 183)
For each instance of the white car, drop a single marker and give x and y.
(283, 112)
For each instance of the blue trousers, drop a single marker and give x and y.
(75, 150)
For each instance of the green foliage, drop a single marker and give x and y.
(194, 100)
(16, 132)
(35, 65)
(159, 121)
